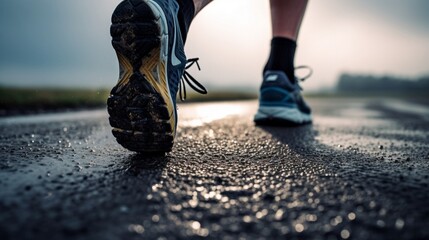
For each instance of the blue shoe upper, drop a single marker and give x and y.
(277, 91)
(176, 60)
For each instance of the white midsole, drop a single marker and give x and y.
(162, 21)
(289, 114)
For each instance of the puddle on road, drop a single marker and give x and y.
(54, 117)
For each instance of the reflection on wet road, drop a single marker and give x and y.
(361, 171)
(194, 115)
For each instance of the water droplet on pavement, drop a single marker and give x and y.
(299, 227)
(351, 216)
(399, 224)
(195, 225)
(123, 209)
(136, 228)
(279, 214)
(345, 234)
(155, 218)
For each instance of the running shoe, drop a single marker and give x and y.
(149, 44)
(280, 101)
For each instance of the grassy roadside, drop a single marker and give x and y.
(25, 100)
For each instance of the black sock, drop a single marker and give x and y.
(282, 57)
(186, 14)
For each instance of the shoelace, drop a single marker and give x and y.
(199, 88)
(191, 81)
(302, 79)
(310, 72)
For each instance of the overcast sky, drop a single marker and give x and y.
(67, 43)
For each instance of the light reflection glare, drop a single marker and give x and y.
(194, 115)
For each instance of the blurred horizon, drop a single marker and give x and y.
(67, 44)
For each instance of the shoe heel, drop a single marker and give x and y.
(138, 113)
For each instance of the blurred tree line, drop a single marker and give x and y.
(386, 84)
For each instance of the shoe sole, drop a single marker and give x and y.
(140, 106)
(281, 116)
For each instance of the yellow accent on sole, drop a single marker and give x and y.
(153, 68)
(126, 70)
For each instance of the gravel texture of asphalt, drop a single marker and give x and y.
(360, 171)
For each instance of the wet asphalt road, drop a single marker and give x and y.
(361, 171)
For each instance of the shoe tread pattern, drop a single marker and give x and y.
(138, 114)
